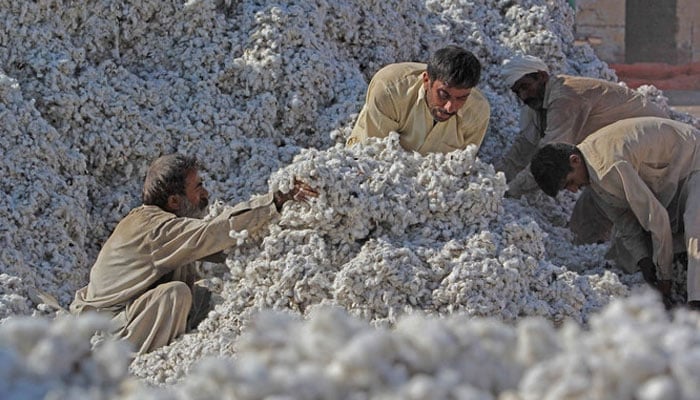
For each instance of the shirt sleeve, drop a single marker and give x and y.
(523, 183)
(523, 148)
(565, 119)
(377, 118)
(476, 121)
(180, 241)
(629, 232)
(649, 212)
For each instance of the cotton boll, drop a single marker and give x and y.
(682, 368)
(365, 361)
(537, 341)
(428, 345)
(658, 388)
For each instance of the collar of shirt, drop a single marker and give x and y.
(548, 92)
(421, 96)
(423, 104)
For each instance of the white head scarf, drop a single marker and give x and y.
(519, 66)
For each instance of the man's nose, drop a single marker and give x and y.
(451, 107)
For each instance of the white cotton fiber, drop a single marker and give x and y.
(408, 277)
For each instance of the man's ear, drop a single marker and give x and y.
(426, 78)
(173, 203)
(574, 159)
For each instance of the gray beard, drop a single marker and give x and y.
(189, 210)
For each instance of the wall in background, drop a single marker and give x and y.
(630, 31)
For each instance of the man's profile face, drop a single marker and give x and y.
(530, 89)
(196, 199)
(443, 101)
(578, 177)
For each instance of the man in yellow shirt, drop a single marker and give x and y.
(144, 274)
(646, 172)
(435, 108)
(563, 108)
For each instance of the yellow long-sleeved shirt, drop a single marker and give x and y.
(638, 166)
(395, 102)
(150, 243)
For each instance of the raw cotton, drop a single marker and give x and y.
(262, 91)
(634, 349)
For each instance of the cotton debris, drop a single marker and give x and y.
(634, 349)
(263, 92)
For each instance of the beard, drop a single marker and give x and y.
(534, 102)
(440, 114)
(189, 210)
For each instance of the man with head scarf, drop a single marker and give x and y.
(144, 275)
(435, 108)
(646, 172)
(564, 108)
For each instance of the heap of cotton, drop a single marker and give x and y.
(43, 195)
(391, 233)
(242, 84)
(93, 91)
(42, 359)
(633, 350)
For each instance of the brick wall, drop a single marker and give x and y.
(657, 31)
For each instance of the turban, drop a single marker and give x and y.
(520, 66)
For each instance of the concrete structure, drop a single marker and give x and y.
(630, 31)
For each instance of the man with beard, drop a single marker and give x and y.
(144, 275)
(566, 109)
(435, 108)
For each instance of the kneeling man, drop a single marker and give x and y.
(646, 173)
(144, 275)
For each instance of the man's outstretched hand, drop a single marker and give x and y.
(300, 192)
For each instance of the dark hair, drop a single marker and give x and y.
(166, 177)
(455, 66)
(533, 75)
(550, 165)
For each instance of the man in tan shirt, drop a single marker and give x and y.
(565, 109)
(645, 171)
(143, 276)
(435, 108)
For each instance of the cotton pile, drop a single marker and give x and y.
(263, 92)
(634, 349)
(391, 233)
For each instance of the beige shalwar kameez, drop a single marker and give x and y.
(573, 108)
(396, 102)
(645, 170)
(144, 273)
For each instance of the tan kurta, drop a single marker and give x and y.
(574, 108)
(641, 168)
(149, 244)
(395, 102)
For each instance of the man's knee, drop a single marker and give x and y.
(177, 293)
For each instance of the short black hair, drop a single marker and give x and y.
(550, 165)
(166, 176)
(455, 66)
